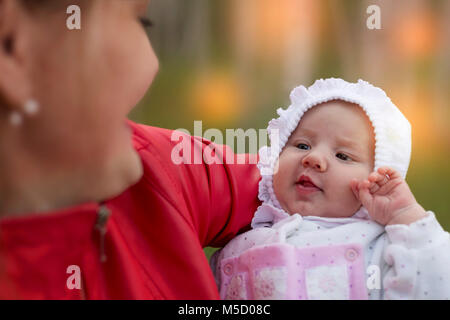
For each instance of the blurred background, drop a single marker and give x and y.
(232, 63)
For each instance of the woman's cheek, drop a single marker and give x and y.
(142, 69)
(148, 68)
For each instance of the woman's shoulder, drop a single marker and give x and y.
(169, 148)
(145, 135)
(156, 148)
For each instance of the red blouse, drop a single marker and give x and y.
(152, 235)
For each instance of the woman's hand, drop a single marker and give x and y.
(387, 198)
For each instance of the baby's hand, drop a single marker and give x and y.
(387, 198)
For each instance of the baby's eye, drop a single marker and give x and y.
(303, 146)
(343, 156)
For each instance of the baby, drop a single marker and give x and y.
(338, 220)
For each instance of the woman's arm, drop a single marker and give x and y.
(215, 189)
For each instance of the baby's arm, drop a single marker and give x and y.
(418, 253)
(418, 256)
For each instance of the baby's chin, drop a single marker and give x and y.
(326, 215)
(306, 210)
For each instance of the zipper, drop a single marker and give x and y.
(103, 215)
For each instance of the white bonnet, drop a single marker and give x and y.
(392, 129)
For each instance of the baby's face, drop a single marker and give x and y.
(333, 143)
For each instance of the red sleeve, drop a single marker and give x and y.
(215, 189)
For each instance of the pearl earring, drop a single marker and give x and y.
(30, 108)
(15, 118)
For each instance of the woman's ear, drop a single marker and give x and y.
(14, 83)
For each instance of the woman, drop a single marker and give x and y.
(91, 205)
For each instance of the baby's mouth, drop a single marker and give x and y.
(307, 183)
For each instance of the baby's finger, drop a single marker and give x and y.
(365, 184)
(365, 197)
(354, 186)
(387, 171)
(374, 187)
(379, 178)
(371, 187)
(388, 187)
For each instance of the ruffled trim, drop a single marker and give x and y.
(392, 130)
(267, 215)
(362, 213)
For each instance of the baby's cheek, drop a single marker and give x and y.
(343, 195)
(349, 203)
(360, 173)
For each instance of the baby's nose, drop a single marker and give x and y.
(314, 161)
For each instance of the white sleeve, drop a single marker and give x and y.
(418, 256)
